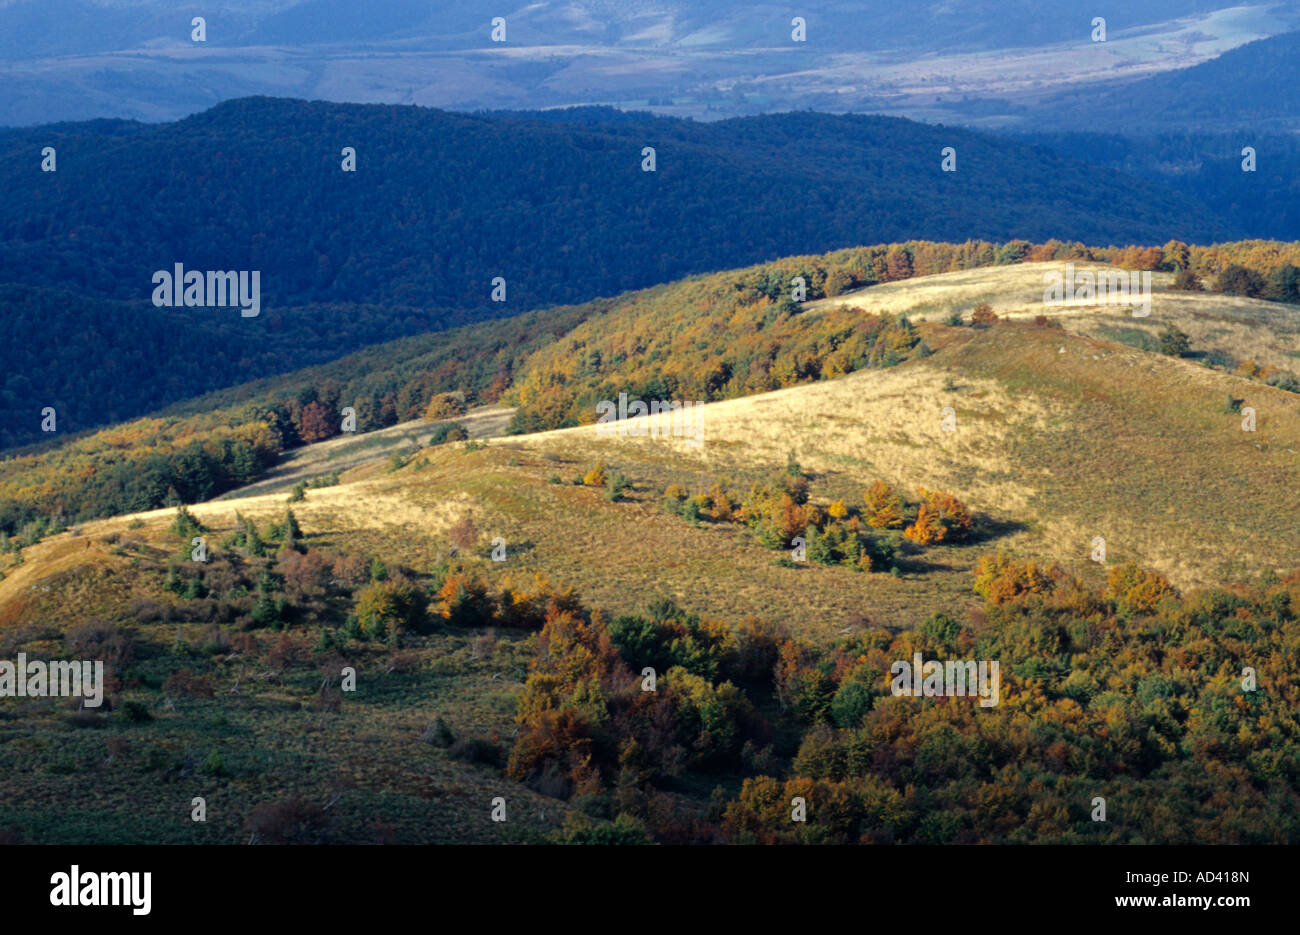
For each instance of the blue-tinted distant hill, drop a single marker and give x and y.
(1252, 88)
(443, 202)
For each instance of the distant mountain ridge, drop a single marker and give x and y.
(1251, 86)
(443, 202)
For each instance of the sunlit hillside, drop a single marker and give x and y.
(1058, 438)
(427, 566)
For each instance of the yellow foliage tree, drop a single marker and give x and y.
(1000, 578)
(596, 477)
(884, 507)
(444, 406)
(1136, 590)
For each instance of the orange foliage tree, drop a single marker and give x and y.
(999, 578)
(1135, 590)
(884, 506)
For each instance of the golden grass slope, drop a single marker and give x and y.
(1059, 438)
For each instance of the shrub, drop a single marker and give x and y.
(445, 406)
(1238, 280)
(477, 750)
(927, 528)
(439, 733)
(463, 534)
(135, 712)
(1000, 578)
(1174, 342)
(1135, 590)
(184, 683)
(350, 571)
(596, 477)
(295, 821)
(452, 432)
(951, 512)
(616, 485)
(214, 765)
(394, 604)
(186, 525)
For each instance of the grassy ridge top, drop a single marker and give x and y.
(1060, 438)
(710, 337)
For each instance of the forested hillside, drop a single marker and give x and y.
(1251, 87)
(97, 361)
(440, 205)
(442, 202)
(1206, 166)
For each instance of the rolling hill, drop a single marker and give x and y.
(443, 204)
(1239, 89)
(1048, 414)
(771, 669)
(942, 62)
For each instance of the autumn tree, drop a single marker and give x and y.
(952, 513)
(1175, 256)
(1174, 342)
(1134, 590)
(999, 578)
(883, 507)
(1238, 280)
(317, 423)
(898, 264)
(926, 529)
(463, 534)
(392, 605)
(445, 406)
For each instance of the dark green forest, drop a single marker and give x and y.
(1206, 166)
(440, 204)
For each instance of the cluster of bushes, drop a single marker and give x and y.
(1280, 284)
(267, 577)
(866, 537)
(597, 724)
(1158, 702)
